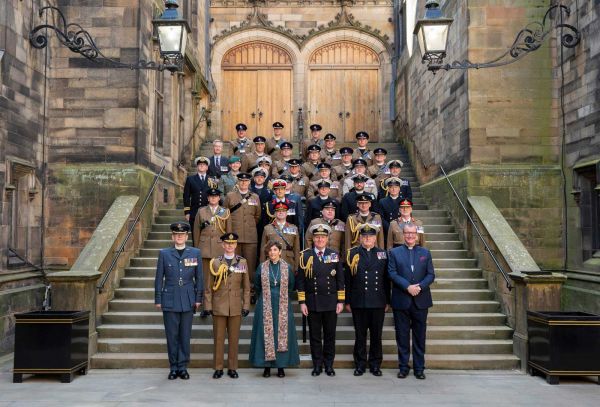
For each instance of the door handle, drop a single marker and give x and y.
(347, 114)
(341, 115)
(260, 114)
(253, 115)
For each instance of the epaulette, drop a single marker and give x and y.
(238, 257)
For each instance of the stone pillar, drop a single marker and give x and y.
(533, 292)
(76, 291)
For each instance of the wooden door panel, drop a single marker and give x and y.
(361, 103)
(326, 100)
(239, 102)
(274, 101)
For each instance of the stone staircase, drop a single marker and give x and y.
(466, 328)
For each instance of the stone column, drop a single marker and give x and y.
(533, 292)
(76, 291)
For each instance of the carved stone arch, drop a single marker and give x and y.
(344, 53)
(257, 54)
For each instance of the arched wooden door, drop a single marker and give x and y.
(343, 89)
(257, 88)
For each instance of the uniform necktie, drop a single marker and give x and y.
(320, 254)
(218, 161)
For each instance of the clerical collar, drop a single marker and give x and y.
(410, 247)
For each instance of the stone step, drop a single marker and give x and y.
(443, 237)
(344, 319)
(449, 254)
(147, 305)
(343, 361)
(421, 214)
(157, 331)
(205, 345)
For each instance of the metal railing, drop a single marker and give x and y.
(121, 248)
(487, 247)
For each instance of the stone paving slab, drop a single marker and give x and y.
(150, 387)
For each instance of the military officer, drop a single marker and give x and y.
(324, 175)
(244, 207)
(241, 145)
(309, 168)
(338, 228)
(321, 294)
(314, 205)
(299, 181)
(367, 297)
(315, 138)
(359, 167)
(283, 232)
(195, 190)
(379, 169)
(389, 207)
(329, 153)
(395, 167)
(293, 213)
(178, 292)
(361, 217)
(229, 180)
(281, 165)
(211, 222)
(250, 159)
(344, 168)
(274, 142)
(395, 236)
(349, 206)
(362, 151)
(227, 299)
(297, 201)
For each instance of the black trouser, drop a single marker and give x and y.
(178, 330)
(405, 321)
(322, 348)
(370, 319)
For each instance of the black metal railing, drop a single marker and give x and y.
(47, 302)
(121, 248)
(487, 247)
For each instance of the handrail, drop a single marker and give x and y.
(47, 302)
(487, 247)
(121, 249)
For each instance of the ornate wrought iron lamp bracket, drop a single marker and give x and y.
(79, 40)
(529, 39)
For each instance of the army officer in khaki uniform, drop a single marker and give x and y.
(227, 294)
(338, 228)
(283, 232)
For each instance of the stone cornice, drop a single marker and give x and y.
(343, 19)
(297, 3)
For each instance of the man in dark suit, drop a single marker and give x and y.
(219, 164)
(411, 272)
(195, 190)
(367, 297)
(178, 292)
(320, 285)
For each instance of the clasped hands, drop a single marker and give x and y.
(414, 289)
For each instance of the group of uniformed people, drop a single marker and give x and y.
(343, 220)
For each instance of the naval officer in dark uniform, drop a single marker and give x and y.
(367, 297)
(320, 285)
(178, 292)
(195, 190)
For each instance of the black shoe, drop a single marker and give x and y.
(232, 373)
(217, 374)
(183, 374)
(172, 375)
(280, 372)
(420, 375)
(376, 371)
(402, 375)
(316, 372)
(329, 371)
(358, 372)
(267, 372)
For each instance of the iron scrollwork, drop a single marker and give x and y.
(529, 39)
(79, 40)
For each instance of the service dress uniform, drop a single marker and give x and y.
(353, 227)
(209, 225)
(315, 138)
(274, 144)
(241, 145)
(195, 191)
(320, 284)
(287, 234)
(227, 298)
(395, 235)
(336, 237)
(178, 287)
(335, 188)
(245, 214)
(367, 293)
(300, 184)
(310, 169)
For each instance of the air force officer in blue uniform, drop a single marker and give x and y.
(178, 290)
(411, 272)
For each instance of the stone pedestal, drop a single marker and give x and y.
(535, 292)
(76, 291)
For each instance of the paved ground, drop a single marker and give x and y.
(150, 387)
